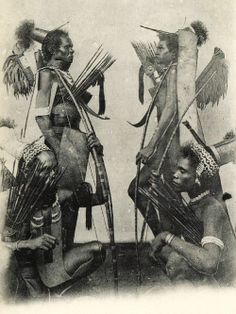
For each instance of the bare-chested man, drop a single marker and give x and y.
(213, 255)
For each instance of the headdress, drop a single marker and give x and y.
(207, 165)
(196, 27)
(17, 72)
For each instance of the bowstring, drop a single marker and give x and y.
(150, 109)
(30, 105)
(91, 172)
(88, 125)
(94, 183)
(93, 178)
(89, 163)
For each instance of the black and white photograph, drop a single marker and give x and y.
(117, 156)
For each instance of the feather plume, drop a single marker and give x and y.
(218, 85)
(24, 33)
(229, 135)
(201, 32)
(17, 77)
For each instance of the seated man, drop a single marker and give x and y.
(34, 235)
(205, 249)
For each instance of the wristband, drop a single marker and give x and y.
(17, 245)
(169, 238)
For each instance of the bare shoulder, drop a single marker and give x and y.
(211, 207)
(171, 80)
(213, 217)
(46, 78)
(45, 74)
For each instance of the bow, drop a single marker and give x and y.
(101, 170)
(147, 117)
(214, 76)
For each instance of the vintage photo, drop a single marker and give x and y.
(117, 148)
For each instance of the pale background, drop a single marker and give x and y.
(116, 24)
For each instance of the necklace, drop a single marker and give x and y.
(199, 197)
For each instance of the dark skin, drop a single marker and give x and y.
(84, 258)
(203, 259)
(48, 161)
(150, 154)
(164, 57)
(62, 59)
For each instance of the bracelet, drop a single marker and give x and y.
(169, 238)
(17, 245)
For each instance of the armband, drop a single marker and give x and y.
(169, 238)
(214, 240)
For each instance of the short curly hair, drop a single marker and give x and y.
(188, 153)
(52, 42)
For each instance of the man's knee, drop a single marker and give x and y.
(99, 251)
(178, 269)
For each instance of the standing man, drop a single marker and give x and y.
(66, 147)
(167, 55)
(59, 121)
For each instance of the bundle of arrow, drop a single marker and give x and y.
(96, 67)
(28, 192)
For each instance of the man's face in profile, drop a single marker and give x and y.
(65, 52)
(163, 55)
(184, 175)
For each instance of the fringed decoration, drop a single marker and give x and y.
(218, 85)
(17, 77)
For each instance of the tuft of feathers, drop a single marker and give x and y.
(229, 135)
(7, 122)
(226, 196)
(24, 33)
(201, 32)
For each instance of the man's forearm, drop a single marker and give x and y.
(18, 245)
(170, 108)
(45, 126)
(164, 123)
(199, 258)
